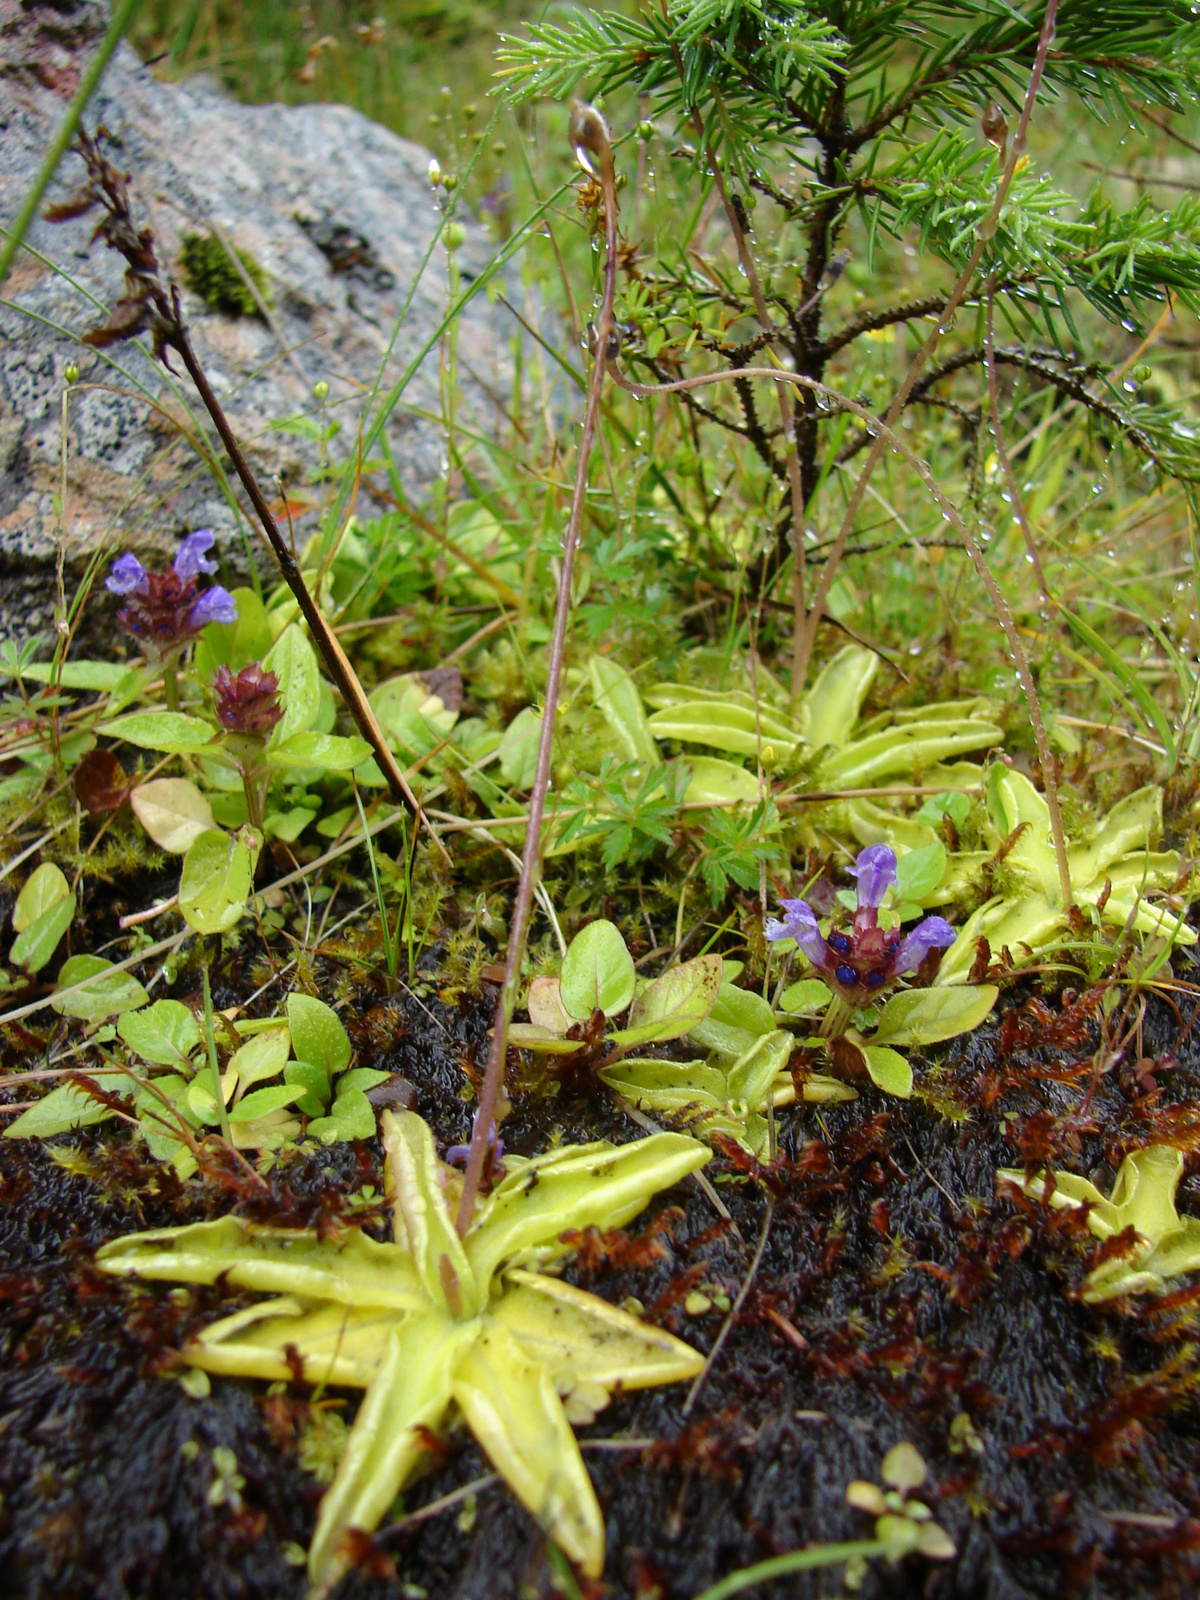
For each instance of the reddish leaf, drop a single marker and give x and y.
(101, 783)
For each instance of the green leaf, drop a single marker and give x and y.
(597, 972)
(673, 1004)
(317, 1033)
(616, 695)
(715, 782)
(417, 1182)
(806, 998)
(166, 1033)
(737, 1020)
(315, 1083)
(173, 812)
(362, 1079)
(98, 676)
(293, 662)
(576, 1186)
(217, 878)
(831, 707)
(325, 752)
(889, 1070)
(725, 726)
(33, 948)
(288, 825)
(45, 887)
(925, 1016)
(751, 1077)
(65, 1108)
(168, 731)
(351, 1117)
(263, 1101)
(906, 748)
(518, 748)
(920, 871)
(264, 1056)
(109, 994)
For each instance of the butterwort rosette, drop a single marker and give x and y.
(863, 960)
(248, 701)
(166, 610)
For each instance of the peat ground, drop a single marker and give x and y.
(915, 1293)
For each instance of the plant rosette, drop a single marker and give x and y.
(1162, 1244)
(432, 1319)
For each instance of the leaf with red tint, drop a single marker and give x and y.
(101, 782)
(446, 683)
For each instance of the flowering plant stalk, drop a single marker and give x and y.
(858, 964)
(165, 611)
(247, 707)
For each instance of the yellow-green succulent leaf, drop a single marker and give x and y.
(597, 1185)
(409, 1393)
(575, 1335)
(1178, 1252)
(725, 725)
(543, 1041)
(737, 1018)
(416, 1181)
(352, 1269)
(287, 1339)
(714, 782)
(1132, 824)
(1031, 921)
(752, 1075)
(1143, 1194)
(667, 1086)
(511, 1406)
(830, 708)
(616, 695)
(905, 749)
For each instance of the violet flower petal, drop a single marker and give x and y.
(935, 933)
(875, 870)
(191, 561)
(128, 575)
(800, 923)
(214, 605)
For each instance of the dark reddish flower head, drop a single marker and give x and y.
(249, 702)
(166, 610)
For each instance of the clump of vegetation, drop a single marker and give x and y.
(780, 757)
(204, 261)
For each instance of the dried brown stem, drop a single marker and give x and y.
(590, 137)
(806, 637)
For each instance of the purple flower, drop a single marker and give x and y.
(214, 605)
(859, 963)
(875, 870)
(128, 575)
(191, 560)
(248, 702)
(166, 610)
(458, 1154)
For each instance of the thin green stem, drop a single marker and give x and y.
(210, 1044)
(821, 1555)
(171, 684)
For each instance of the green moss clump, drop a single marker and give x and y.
(208, 272)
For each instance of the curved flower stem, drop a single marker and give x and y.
(886, 436)
(807, 637)
(817, 1555)
(590, 137)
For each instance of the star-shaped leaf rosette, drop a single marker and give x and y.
(856, 966)
(432, 1321)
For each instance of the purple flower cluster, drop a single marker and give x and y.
(859, 963)
(247, 702)
(166, 610)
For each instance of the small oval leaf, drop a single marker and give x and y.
(173, 812)
(925, 1016)
(597, 972)
(166, 1033)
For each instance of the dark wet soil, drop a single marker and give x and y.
(915, 1294)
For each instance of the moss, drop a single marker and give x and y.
(208, 272)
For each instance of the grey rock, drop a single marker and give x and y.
(337, 211)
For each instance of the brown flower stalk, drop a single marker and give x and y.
(150, 305)
(590, 141)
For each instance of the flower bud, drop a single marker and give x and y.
(71, 372)
(249, 702)
(1143, 374)
(454, 235)
(434, 173)
(469, 112)
(645, 130)
(450, 182)
(499, 148)
(320, 389)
